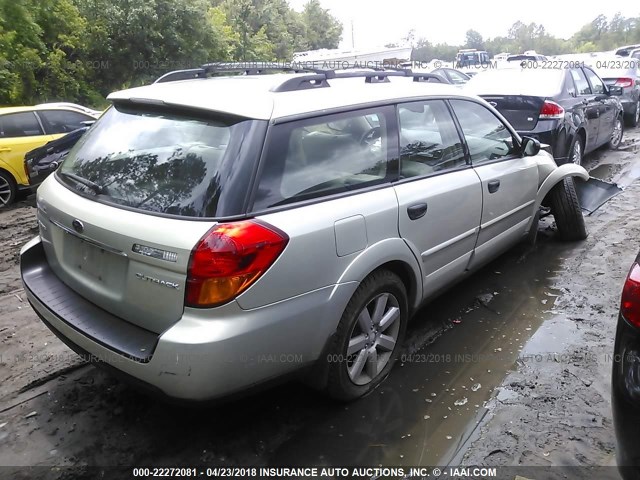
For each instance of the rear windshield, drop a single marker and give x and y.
(163, 162)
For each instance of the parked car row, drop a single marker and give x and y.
(573, 110)
(570, 109)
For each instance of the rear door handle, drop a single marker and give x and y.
(493, 186)
(417, 211)
(5, 149)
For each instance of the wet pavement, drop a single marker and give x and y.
(457, 351)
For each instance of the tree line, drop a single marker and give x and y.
(81, 50)
(601, 34)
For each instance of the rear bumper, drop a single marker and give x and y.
(207, 354)
(625, 396)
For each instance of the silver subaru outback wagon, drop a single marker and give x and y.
(211, 234)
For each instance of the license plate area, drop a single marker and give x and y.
(93, 263)
(91, 259)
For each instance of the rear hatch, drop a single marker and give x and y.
(521, 111)
(131, 200)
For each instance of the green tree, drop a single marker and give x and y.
(474, 40)
(323, 29)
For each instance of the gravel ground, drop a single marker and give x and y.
(554, 409)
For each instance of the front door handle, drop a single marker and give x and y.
(417, 211)
(493, 186)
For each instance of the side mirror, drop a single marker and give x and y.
(530, 147)
(615, 91)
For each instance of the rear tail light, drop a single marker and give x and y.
(630, 305)
(229, 259)
(624, 82)
(551, 110)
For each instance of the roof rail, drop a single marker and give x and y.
(312, 78)
(182, 75)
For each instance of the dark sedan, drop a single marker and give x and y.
(625, 381)
(572, 110)
(42, 161)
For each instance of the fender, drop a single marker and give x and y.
(385, 251)
(9, 169)
(559, 174)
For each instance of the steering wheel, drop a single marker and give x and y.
(370, 136)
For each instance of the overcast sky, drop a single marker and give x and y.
(378, 22)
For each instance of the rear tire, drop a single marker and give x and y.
(566, 210)
(576, 152)
(8, 189)
(369, 336)
(618, 133)
(634, 118)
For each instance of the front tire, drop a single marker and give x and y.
(566, 210)
(368, 337)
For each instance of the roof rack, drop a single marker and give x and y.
(312, 78)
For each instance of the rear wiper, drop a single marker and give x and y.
(98, 189)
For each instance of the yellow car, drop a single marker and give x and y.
(24, 128)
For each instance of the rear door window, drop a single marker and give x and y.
(487, 137)
(62, 121)
(582, 85)
(429, 140)
(325, 155)
(597, 86)
(23, 124)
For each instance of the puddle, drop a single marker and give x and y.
(552, 337)
(621, 174)
(431, 403)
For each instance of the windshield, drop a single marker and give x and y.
(162, 162)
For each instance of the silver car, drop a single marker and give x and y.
(625, 73)
(209, 235)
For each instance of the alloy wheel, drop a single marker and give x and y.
(373, 338)
(637, 113)
(5, 191)
(576, 153)
(616, 136)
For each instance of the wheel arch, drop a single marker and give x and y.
(6, 168)
(558, 175)
(581, 132)
(405, 273)
(394, 255)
